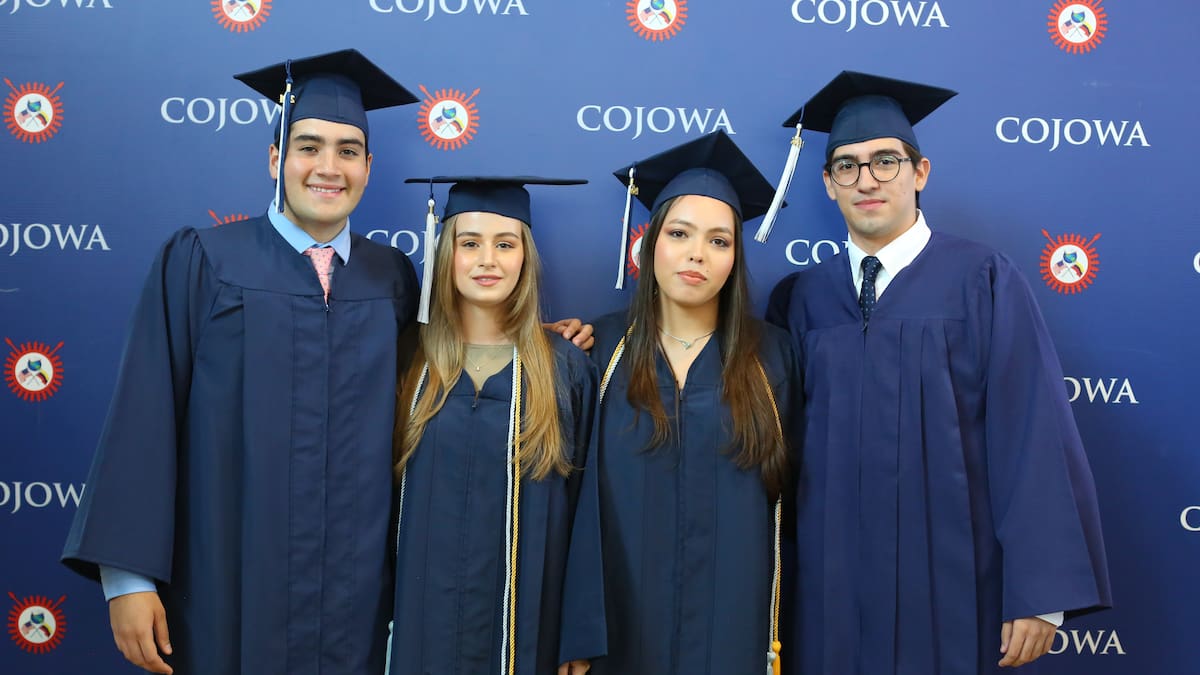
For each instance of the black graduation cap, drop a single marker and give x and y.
(711, 166)
(503, 195)
(856, 107)
(338, 87)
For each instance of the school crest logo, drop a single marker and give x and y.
(36, 624)
(656, 20)
(33, 111)
(231, 218)
(240, 16)
(34, 370)
(633, 261)
(1077, 26)
(448, 119)
(1069, 262)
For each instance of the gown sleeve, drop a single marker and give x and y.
(583, 634)
(126, 518)
(1041, 487)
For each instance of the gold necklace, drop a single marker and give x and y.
(687, 344)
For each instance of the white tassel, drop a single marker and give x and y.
(430, 254)
(629, 193)
(785, 182)
(285, 102)
(285, 119)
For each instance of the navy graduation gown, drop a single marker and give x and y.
(944, 487)
(450, 567)
(246, 460)
(688, 536)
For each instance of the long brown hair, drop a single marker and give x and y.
(739, 334)
(443, 348)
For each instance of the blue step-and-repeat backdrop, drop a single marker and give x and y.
(1072, 147)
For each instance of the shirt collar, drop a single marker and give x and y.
(302, 241)
(896, 255)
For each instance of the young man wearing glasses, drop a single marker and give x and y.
(946, 513)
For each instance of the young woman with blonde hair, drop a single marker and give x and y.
(497, 545)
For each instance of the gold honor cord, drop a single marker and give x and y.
(515, 507)
(612, 365)
(773, 662)
(774, 666)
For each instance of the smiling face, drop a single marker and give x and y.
(876, 213)
(488, 257)
(324, 174)
(694, 250)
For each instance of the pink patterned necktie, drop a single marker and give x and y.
(322, 260)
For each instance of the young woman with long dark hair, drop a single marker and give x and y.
(692, 458)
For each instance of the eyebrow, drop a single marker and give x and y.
(886, 151)
(314, 138)
(684, 221)
(514, 235)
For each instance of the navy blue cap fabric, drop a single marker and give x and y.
(712, 166)
(503, 195)
(856, 107)
(338, 87)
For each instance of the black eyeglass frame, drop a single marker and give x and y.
(870, 167)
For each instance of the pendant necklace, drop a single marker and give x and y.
(486, 354)
(687, 344)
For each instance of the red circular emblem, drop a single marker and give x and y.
(656, 19)
(448, 119)
(239, 16)
(34, 370)
(1077, 26)
(36, 624)
(1069, 262)
(632, 266)
(33, 111)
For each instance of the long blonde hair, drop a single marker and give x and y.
(443, 348)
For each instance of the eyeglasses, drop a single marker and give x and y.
(883, 168)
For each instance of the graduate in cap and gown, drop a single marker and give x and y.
(238, 505)
(498, 542)
(692, 456)
(946, 512)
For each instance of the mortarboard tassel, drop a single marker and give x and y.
(431, 220)
(629, 193)
(774, 665)
(785, 181)
(285, 101)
